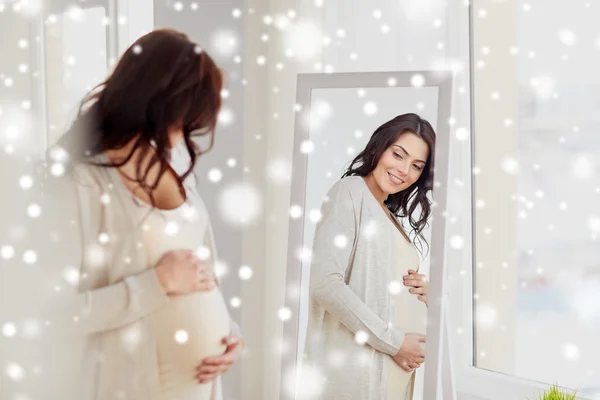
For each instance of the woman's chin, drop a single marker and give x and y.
(392, 188)
(395, 190)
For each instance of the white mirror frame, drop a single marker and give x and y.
(305, 84)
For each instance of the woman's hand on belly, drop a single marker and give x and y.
(418, 283)
(181, 272)
(212, 367)
(411, 355)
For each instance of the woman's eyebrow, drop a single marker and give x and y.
(406, 152)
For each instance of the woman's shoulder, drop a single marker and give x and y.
(75, 177)
(88, 175)
(347, 192)
(352, 186)
(344, 201)
(353, 181)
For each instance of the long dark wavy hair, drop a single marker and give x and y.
(163, 81)
(402, 204)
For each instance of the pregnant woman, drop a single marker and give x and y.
(142, 316)
(368, 311)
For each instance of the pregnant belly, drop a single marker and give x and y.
(410, 317)
(188, 329)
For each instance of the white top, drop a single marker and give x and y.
(408, 313)
(354, 250)
(190, 327)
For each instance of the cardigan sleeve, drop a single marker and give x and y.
(331, 257)
(68, 309)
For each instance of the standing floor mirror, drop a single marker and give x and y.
(335, 116)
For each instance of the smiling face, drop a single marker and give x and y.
(400, 165)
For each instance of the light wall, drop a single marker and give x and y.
(14, 309)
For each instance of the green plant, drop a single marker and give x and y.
(556, 393)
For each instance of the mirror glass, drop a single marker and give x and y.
(341, 122)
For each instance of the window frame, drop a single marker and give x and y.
(471, 382)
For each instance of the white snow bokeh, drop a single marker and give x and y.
(421, 11)
(245, 272)
(304, 39)
(307, 384)
(224, 43)
(279, 171)
(486, 316)
(370, 108)
(240, 204)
